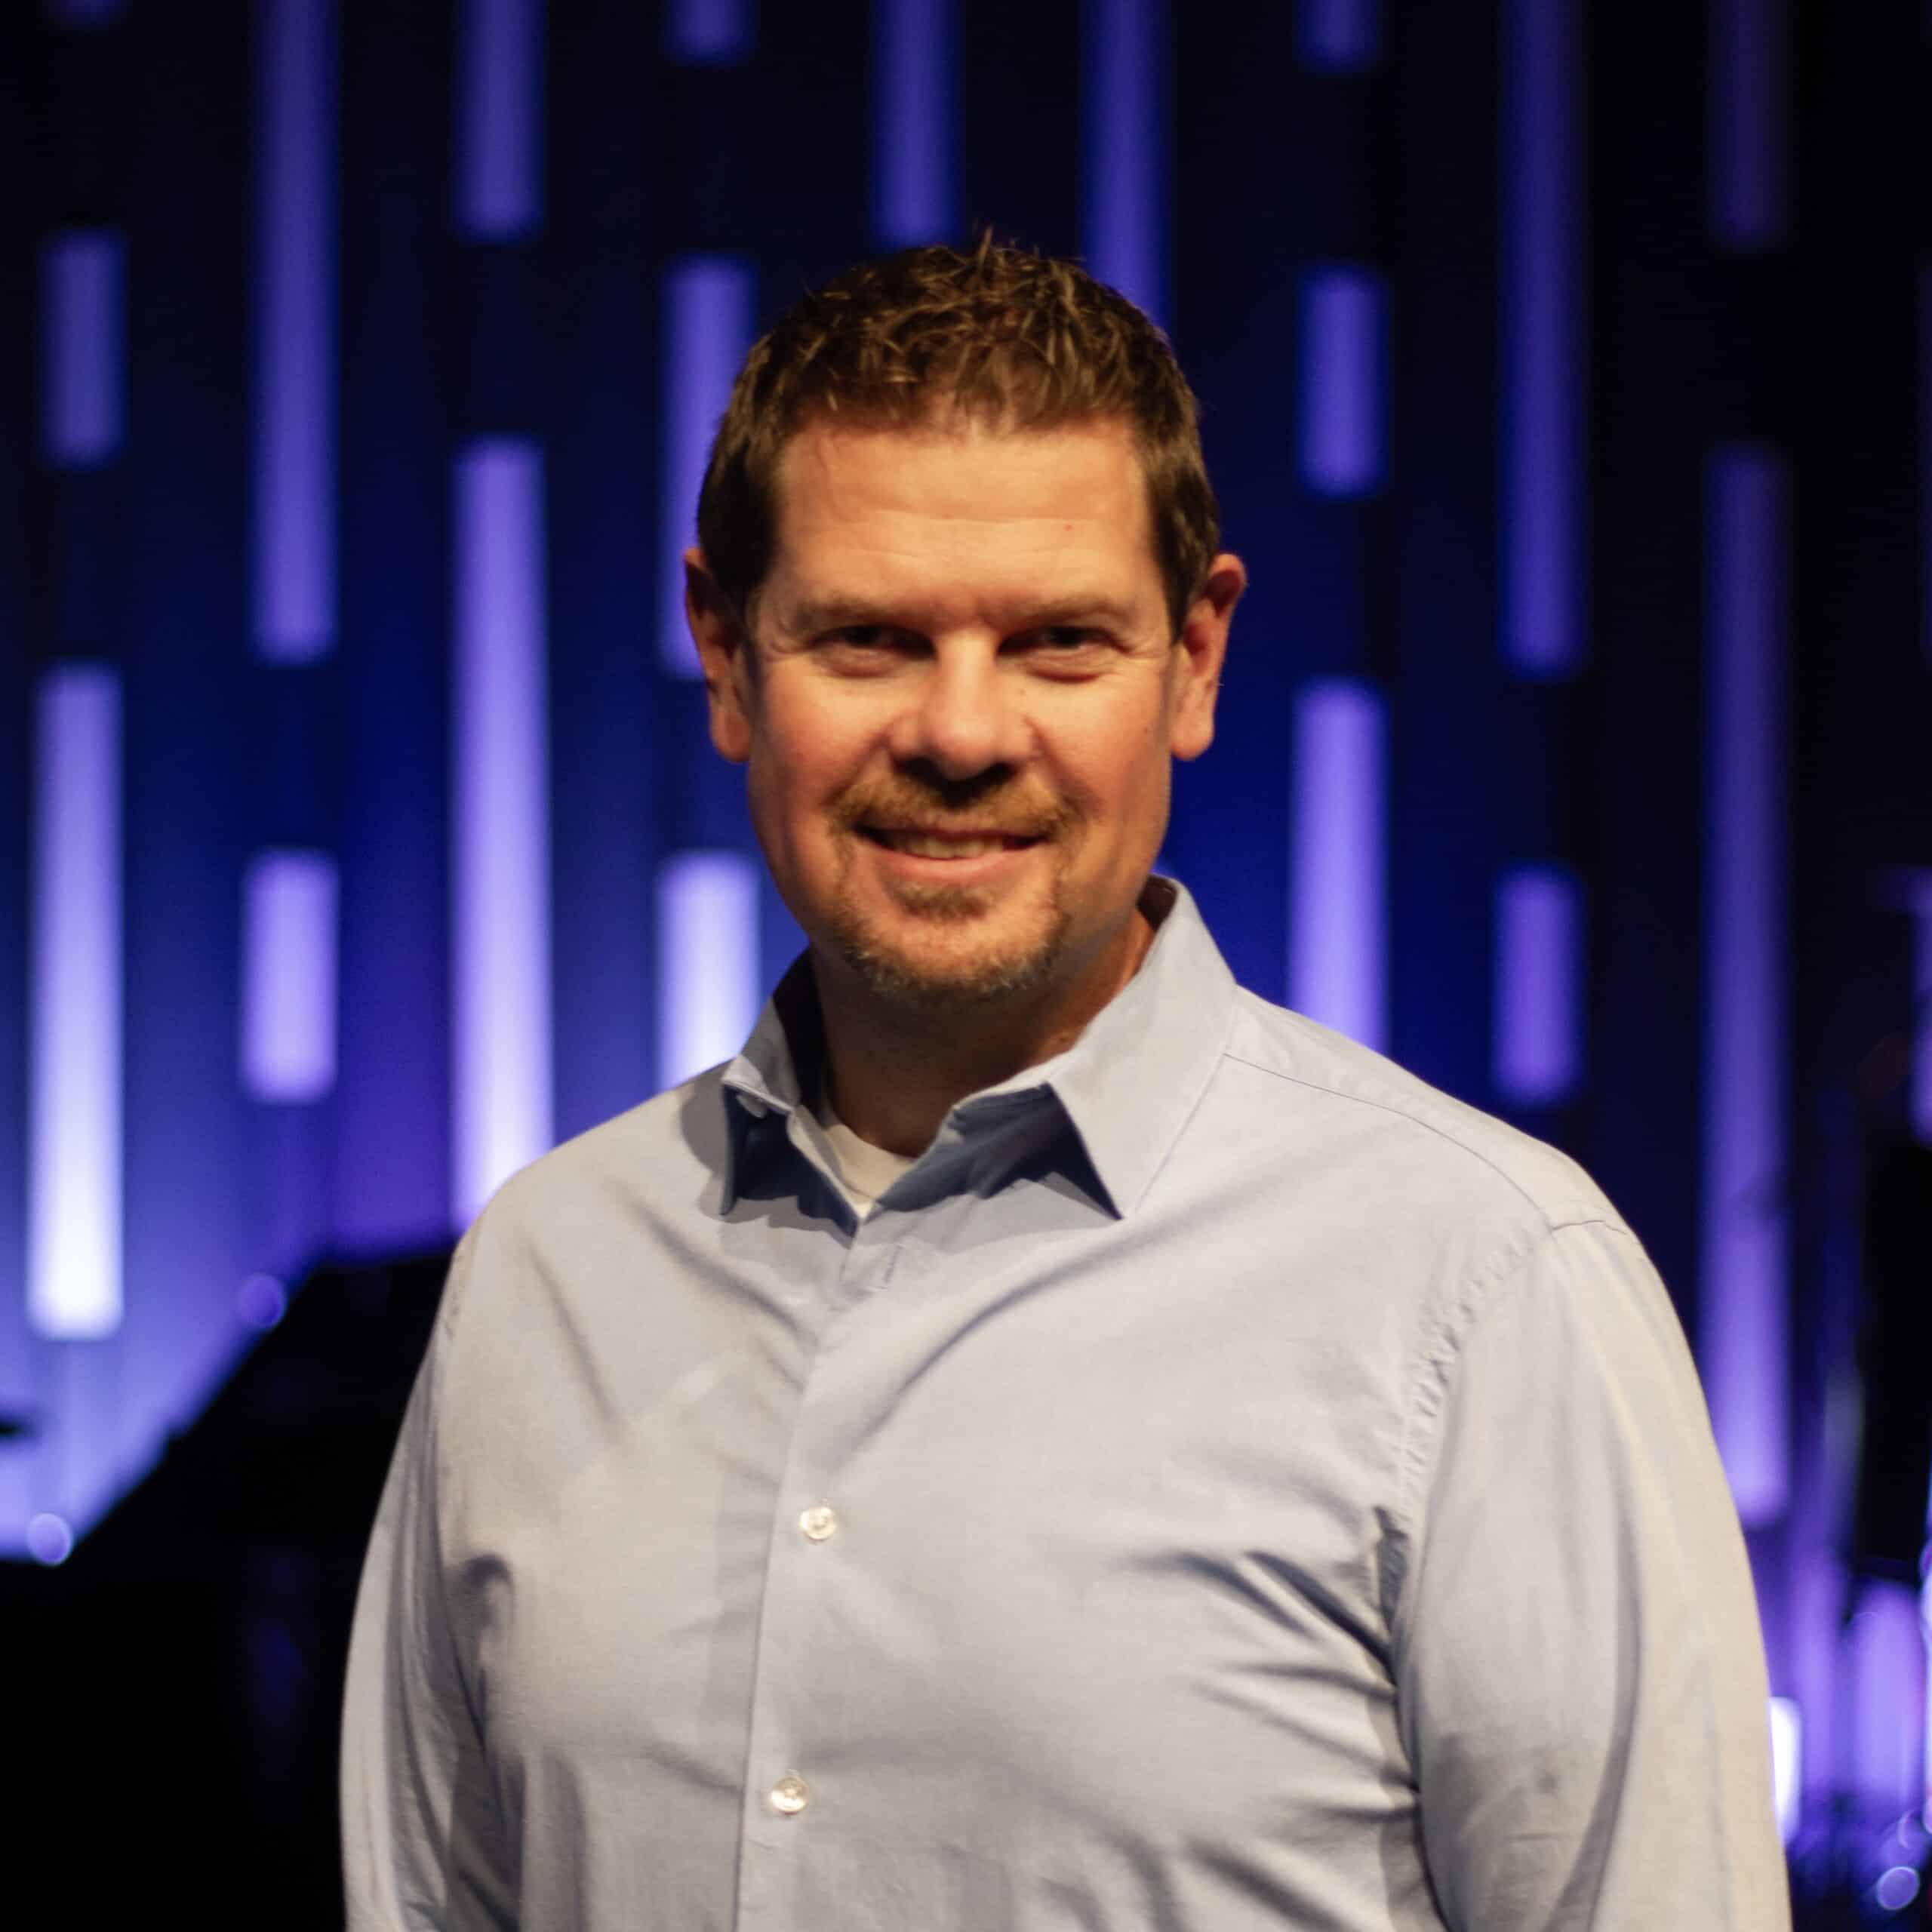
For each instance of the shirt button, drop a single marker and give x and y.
(789, 1795)
(820, 1521)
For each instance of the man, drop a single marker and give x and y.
(1044, 1437)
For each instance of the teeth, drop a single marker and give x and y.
(922, 846)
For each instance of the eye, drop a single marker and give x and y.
(861, 648)
(1066, 649)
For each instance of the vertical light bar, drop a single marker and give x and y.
(707, 961)
(708, 33)
(82, 337)
(1124, 140)
(499, 119)
(295, 348)
(1887, 1693)
(914, 122)
(1745, 1142)
(1537, 1030)
(1544, 255)
(1921, 1096)
(74, 1287)
(500, 836)
(1337, 924)
(1787, 1764)
(1343, 331)
(1338, 36)
(1745, 140)
(288, 976)
(707, 310)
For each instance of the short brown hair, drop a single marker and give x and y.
(1006, 338)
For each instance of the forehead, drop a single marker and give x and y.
(890, 500)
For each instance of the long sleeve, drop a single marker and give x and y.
(417, 1812)
(1579, 1665)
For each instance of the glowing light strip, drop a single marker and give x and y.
(288, 976)
(1787, 1764)
(1343, 331)
(914, 122)
(1339, 36)
(295, 351)
(74, 1285)
(82, 335)
(1921, 1098)
(708, 305)
(1338, 923)
(500, 119)
(500, 832)
(707, 961)
(708, 32)
(1745, 148)
(1543, 296)
(1745, 1151)
(1125, 139)
(1537, 1036)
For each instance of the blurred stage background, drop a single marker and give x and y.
(1566, 371)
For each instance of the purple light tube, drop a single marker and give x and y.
(1746, 149)
(1338, 940)
(295, 344)
(708, 995)
(1338, 36)
(74, 1077)
(914, 122)
(82, 409)
(1343, 329)
(500, 119)
(1887, 1698)
(1542, 300)
(1745, 1298)
(1919, 886)
(1536, 1029)
(501, 1096)
(288, 976)
(708, 33)
(708, 303)
(1124, 142)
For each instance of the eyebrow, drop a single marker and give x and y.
(817, 615)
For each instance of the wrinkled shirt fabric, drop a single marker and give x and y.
(1224, 1484)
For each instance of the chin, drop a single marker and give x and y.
(945, 966)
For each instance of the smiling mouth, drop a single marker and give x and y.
(922, 845)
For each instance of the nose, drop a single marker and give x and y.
(964, 717)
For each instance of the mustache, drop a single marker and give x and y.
(995, 804)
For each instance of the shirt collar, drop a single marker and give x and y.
(1126, 1086)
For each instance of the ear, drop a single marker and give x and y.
(1203, 648)
(724, 650)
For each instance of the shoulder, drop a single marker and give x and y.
(654, 1160)
(1393, 1134)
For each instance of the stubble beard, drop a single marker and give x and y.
(968, 977)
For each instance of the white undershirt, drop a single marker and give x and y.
(865, 1172)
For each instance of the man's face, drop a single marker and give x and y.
(965, 701)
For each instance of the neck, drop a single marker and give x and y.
(895, 1070)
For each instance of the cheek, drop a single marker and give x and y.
(799, 764)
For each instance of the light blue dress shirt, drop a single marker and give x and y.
(1224, 1484)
